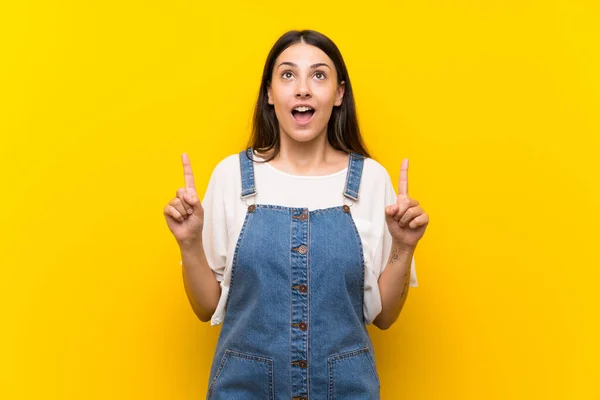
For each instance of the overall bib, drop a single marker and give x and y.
(294, 326)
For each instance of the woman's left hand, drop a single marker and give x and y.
(406, 220)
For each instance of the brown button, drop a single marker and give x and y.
(346, 208)
(300, 398)
(301, 363)
(303, 217)
(302, 326)
(302, 249)
(252, 208)
(303, 288)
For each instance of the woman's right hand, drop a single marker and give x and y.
(184, 213)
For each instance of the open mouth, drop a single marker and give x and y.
(303, 114)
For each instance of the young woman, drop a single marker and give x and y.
(300, 241)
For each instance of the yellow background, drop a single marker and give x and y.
(494, 103)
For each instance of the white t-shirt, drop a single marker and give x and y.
(225, 211)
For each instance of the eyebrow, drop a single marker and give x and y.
(312, 66)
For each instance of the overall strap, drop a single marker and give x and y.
(247, 171)
(355, 166)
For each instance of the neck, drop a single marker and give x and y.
(314, 157)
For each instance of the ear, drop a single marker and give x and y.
(269, 94)
(340, 93)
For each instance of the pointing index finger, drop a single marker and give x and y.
(187, 172)
(403, 180)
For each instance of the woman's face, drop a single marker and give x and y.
(304, 74)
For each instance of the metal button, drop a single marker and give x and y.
(252, 208)
(302, 249)
(346, 208)
(301, 363)
(303, 288)
(301, 325)
(302, 217)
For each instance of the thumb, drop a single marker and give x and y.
(390, 211)
(192, 199)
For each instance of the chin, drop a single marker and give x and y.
(304, 135)
(307, 137)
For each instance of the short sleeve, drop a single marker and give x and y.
(385, 243)
(214, 234)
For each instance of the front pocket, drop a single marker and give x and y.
(242, 376)
(352, 375)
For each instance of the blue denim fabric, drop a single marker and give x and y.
(294, 326)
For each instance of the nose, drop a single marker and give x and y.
(303, 90)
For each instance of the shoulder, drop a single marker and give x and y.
(373, 171)
(376, 185)
(225, 176)
(230, 162)
(223, 188)
(228, 166)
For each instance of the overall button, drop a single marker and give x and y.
(252, 208)
(300, 398)
(346, 208)
(301, 363)
(302, 249)
(301, 325)
(303, 217)
(303, 288)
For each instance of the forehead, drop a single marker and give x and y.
(303, 55)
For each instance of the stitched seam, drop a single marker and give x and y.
(251, 191)
(332, 360)
(359, 175)
(267, 362)
(308, 305)
(373, 366)
(235, 256)
(221, 366)
(330, 372)
(244, 190)
(362, 261)
(347, 354)
(252, 170)
(271, 384)
(249, 356)
(350, 162)
(291, 300)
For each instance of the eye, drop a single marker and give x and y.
(321, 73)
(283, 75)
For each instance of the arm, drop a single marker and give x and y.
(201, 286)
(394, 285)
(193, 224)
(406, 222)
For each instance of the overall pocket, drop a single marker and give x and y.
(352, 375)
(242, 376)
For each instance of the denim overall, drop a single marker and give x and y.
(294, 326)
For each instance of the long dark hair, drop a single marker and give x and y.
(343, 131)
